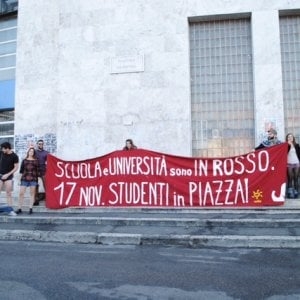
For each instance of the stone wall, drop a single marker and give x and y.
(94, 73)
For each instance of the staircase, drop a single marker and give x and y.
(266, 227)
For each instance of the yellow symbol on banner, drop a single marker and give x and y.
(257, 196)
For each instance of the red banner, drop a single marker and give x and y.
(143, 178)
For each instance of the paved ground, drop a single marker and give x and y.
(31, 270)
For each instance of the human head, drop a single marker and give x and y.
(290, 138)
(40, 144)
(129, 143)
(5, 147)
(272, 133)
(30, 152)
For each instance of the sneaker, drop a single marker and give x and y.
(19, 211)
(12, 213)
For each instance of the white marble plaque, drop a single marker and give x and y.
(127, 64)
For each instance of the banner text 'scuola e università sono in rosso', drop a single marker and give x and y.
(144, 178)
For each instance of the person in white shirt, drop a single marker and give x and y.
(293, 166)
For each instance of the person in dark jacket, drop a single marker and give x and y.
(293, 166)
(270, 141)
(41, 155)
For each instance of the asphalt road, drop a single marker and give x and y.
(31, 270)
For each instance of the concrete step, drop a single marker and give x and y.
(265, 221)
(267, 227)
(194, 241)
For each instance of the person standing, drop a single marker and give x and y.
(41, 155)
(270, 141)
(293, 166)
(9, 164)
(29, 178)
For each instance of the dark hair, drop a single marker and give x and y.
(286, 138)
(40, 141)
(34, 152)
(130, 141)
(6, 145)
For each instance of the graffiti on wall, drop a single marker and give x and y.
(23, 142)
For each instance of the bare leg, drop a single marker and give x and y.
(8, 189)
(43, 195)
(21, 196)
(32, 196)
(1, 185)
(44, 182)
(37, 192)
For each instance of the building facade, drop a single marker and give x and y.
(191, 78)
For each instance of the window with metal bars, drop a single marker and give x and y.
(7, 124)
(221, 87)
(8, 6)
(290, 60)
(8, 36)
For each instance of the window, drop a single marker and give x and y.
(8, 6)
(7, 127)
(222, 87)
(290, 60)
(8, 36)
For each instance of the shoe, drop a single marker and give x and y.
(290, 193)
(295, 194)
(12, 213)
(30, 211)
(19, 211)
(41, 196)
(36, 203)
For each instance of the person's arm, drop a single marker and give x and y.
(260, 146)
(22, 167)
(16, 167)
(297, 147)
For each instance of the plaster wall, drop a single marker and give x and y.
(66, 86)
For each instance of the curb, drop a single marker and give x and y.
(205, 241)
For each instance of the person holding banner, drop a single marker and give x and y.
(270, 141)
(41, 155)
(129, 145)
(29, 178)
(293, 166)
